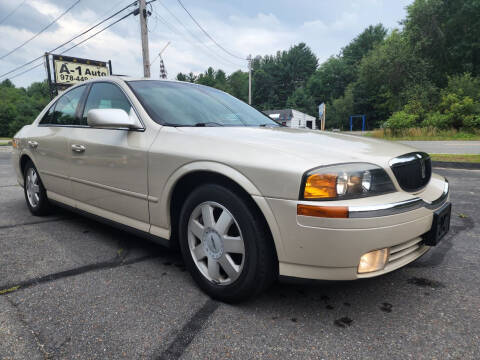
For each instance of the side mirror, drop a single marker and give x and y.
(113, 118)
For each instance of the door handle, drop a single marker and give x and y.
(32, 144)
(78, 148)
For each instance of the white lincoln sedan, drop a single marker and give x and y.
(246, 200)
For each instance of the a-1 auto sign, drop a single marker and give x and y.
(69, 71)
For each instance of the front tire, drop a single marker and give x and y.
(225, 246)
(35, 193)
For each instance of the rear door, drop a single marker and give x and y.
(109, 166)
(50, 146)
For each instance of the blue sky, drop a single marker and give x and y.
(243, 27)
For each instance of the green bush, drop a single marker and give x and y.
(401, 120)
(459, 109)
(472, 122)
(436, 120)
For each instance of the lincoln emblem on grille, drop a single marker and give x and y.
(422, 166)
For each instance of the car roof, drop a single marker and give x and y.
(123, 78)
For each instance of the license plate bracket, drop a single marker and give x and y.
(440, 225)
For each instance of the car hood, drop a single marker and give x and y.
(273, 159)
(315, 147)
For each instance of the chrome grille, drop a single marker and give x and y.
(412, 171)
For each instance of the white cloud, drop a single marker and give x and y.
(243, 31)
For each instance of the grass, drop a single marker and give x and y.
(428, 134)
(466, 158)
(5, 144)
(5, 138)
(6, 291)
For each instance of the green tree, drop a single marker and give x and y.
(333, 76)
(19, 106)
(181, 77)
(383, 76)
(339, 110)
(238, 85)
(301, 100)
(221, 80)
(368, 39)
(445, 34)
(330, 80)
(207, 78)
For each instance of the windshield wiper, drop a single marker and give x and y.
(269, 125)
(210, 123)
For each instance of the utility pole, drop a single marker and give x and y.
(249, 58)
(144, 34)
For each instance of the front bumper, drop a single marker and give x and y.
(330, 248)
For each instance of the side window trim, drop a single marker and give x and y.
(126, 97)
(47, 113)
(54, 105)
(81, 105)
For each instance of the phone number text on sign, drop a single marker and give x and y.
(73, 72)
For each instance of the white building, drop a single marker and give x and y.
(292, 118)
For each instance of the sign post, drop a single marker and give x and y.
(322, 110)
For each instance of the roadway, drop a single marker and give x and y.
(446, 147)
(71, 288)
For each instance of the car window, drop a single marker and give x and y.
(105, 96)
(63, 111)
(47, 118)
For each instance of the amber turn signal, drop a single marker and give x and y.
(319, 186)
(323, 211)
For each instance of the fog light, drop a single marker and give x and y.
(373, 261)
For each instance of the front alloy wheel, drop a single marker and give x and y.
(216, 243)
(226, 244)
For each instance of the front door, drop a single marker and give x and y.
(50, 147)
(109, 166)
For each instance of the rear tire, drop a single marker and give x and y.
(35, 193)
(225, 246)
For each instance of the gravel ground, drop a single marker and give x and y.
(88, 291)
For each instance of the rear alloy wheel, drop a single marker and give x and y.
(225, 245)
(35, 194)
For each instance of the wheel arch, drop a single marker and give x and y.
(186, 179)
(23, 160)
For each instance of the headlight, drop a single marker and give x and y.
(345, 181)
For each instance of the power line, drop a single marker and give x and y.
(12, 12)
(23, 72)
(108, 11)
(41, 31)
(207, 34)
(98, 32)
(63, 44)
(193, 35)
(210, 51)
(72, 47)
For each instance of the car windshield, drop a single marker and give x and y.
(184, 104)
